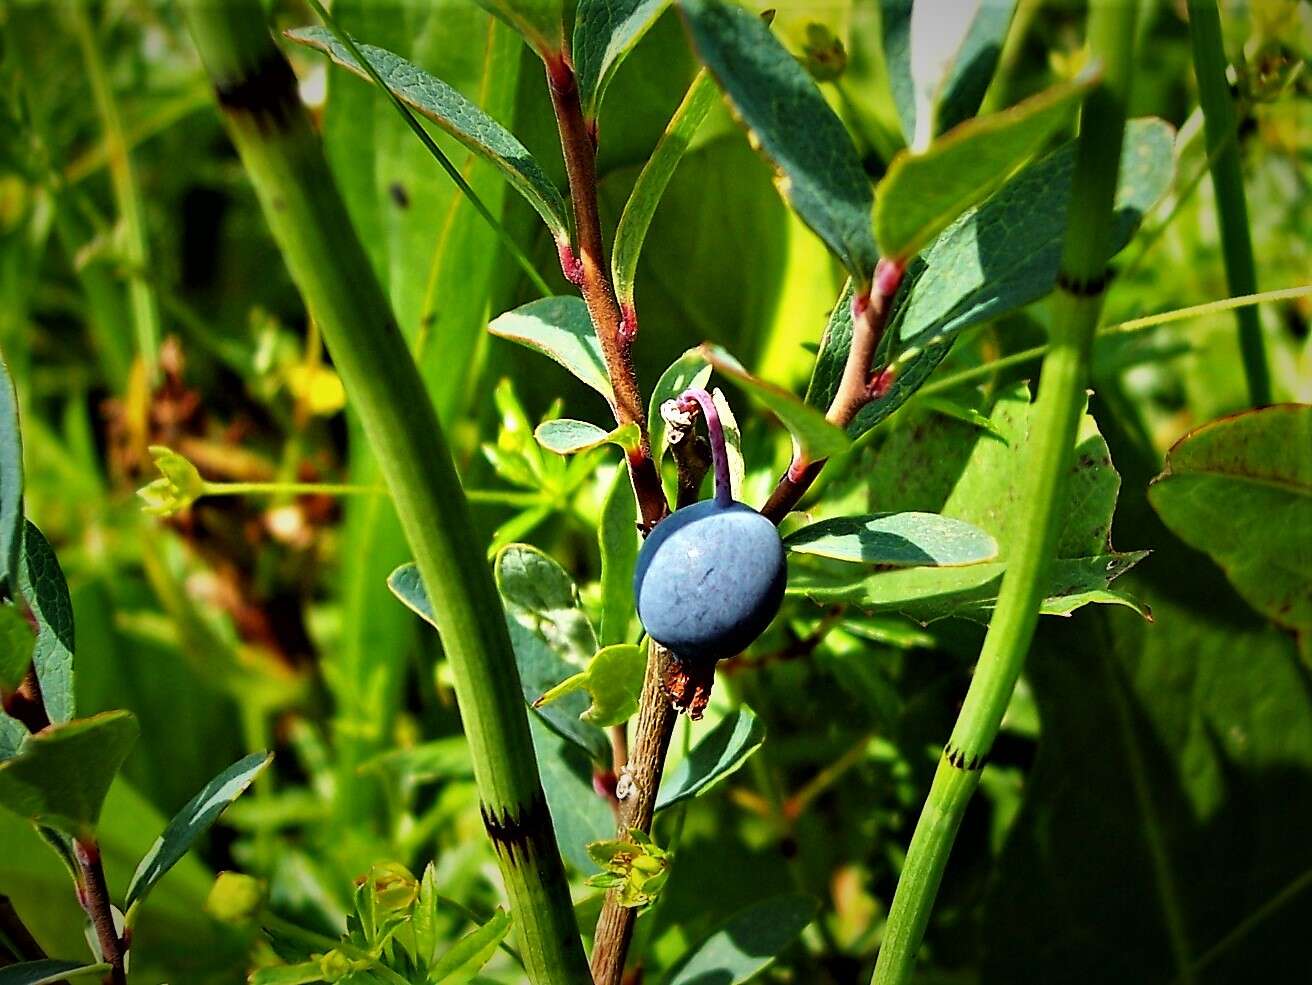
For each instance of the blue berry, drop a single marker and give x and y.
(709, 580)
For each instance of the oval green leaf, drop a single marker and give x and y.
(41, 582)
(435, 100)
(652, 181)
(566, 436)
(939, 66)
(605, 31)
(746, 943)
(922, 194)
(904, 540)
(60, 776)
(560, 328)
(815, 436)
(819, 170)
(468, 955)
(47, 971)
(617, 537)
(192, 821)
(716, 755)
(1240, 490)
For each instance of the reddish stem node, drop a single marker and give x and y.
(570, 265)
(628, 330)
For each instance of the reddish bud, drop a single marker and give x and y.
(888, 274)
(883, 382)
(628, 330)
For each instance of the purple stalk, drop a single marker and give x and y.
(714, 431)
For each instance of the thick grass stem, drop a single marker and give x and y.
(1060, 402)
(286, 163)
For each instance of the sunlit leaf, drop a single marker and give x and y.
(617, 537)
(923, 193)
(569, 437)
(47, 971)
(613, 679)
(819, 170)
(435, 100)
(195, 818)
(467, 956)
(631, 232)
(898, 539)
(540, 22)
(559, 327)
(941, 56)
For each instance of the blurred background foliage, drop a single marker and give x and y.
(1144, 816)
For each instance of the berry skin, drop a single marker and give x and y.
(709, 579)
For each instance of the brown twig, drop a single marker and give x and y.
(592, 274)
(637, 788)
(94, 895)
(859, 385)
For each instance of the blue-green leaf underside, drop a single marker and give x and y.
(195, 818)
(559, 327)
(716, 755)
(818, 168)
(435, 100)
(605, 31)
(903, 540)
(41, 582)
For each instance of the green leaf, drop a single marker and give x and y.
(47, 971)
(11, 481)
(552, 638)
(613, 680)
(1240, 489)
(434, 99)
(969, 592)
(61, 775)
(551, 635)
(815, 436)
(12, 734)
(940, 66)
(41, 582)
(469, 954)
(192, 821)
(578, 814)
(746, 943)
(605, 31)
(540, 22)
(617, 536)
(288, 974)
(898, 539)
(819, 170)
(1163, 840)
(631, 232)
(997, 257)
(569, 437)
(689, 370)
(936, 464)
(923, 193)
(716, 755)
(1006, 253)
(16, 645)
(559, 327)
